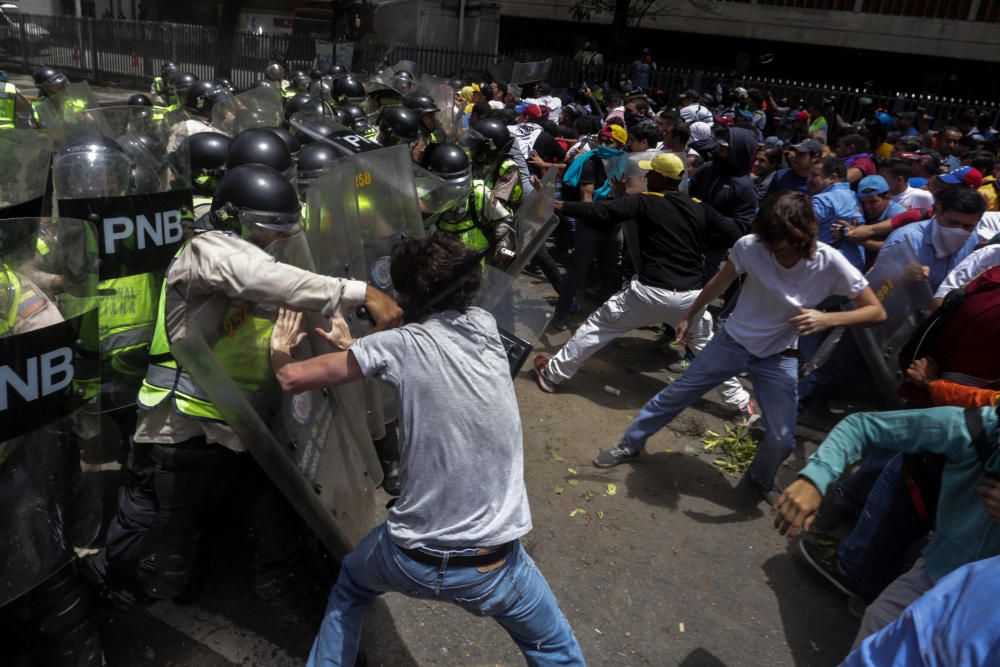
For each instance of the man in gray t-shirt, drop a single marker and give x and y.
(454, 533)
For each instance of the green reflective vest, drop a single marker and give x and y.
(8, 99)
(505, 168)
(465, 221)
(241, 345)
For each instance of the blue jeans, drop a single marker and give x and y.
(515, 594)
(775, 384)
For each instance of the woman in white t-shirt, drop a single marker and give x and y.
(788, 272)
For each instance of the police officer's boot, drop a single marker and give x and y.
(275, 534)
(387, 449)
(62, 611)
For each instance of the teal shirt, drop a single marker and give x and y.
(964, 532)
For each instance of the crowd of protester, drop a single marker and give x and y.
(756, 225)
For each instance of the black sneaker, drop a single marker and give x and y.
(609, 458)
(545, 382)
(769, 496)
(826, 564)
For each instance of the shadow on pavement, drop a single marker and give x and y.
(663, 477)
(817, 626)
(701, 657)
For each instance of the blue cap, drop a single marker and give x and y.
(885, 119)
(519, 108)
(917, 182)
(869, 186)
(967, 175)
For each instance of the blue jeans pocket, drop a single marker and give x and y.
(490, 595)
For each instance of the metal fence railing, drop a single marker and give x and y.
(130, 53)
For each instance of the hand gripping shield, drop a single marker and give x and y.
(257, 107)
(315, 445)
(48, 369)
(118, 175)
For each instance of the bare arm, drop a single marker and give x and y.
(867, 311)
(712, 291)
(322, 371)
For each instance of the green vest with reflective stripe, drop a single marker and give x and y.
(8, 98)
(242, 346)
(127, 317)
(12, 297)
(505, 167)
(465, 222)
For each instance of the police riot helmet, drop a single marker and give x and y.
(50, 80)
(348, 88)
(168, 70)
(402, 81)
(274, 72)
(312, 160)
(208, 152)
(322, 89)
(144, 179)
(183, 82)
(398, 124)
(91, 165)
(260, 146)
(337, 70)
(359, 119)
(260, 83)
(300, 81)
(286, 136)
(344, 118)
(487, 138)
(203, 95)
(258, 202)
(315, 73)
(143, 148)
(422, 104)
(140, 100)
(448, 161)
(295, 103)
(227, 84)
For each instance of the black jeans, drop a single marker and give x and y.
(591, 243)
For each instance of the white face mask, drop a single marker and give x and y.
(947, 240)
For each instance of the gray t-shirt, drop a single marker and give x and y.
(461, 458)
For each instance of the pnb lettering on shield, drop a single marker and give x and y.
(164, 229)
(45, 374)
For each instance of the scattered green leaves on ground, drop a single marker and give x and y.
(558, 490)
(557, 457)
(734, 449)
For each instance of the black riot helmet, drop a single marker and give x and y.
(300, 81)
(49, 80)
(289, 139)
(322, 129)
(295, 103)
(140, 100)
(359, 119)
(448, 161)
(260, 83)
(91, 165)
(487, 139)
(274, 72)
(398, 124)
(337, 70)
(203, 95)
(208, 152)
(257, 202)
(312, 160)
(348, 89)
(322, 89)
(342, 117)
(227, 84)
(315, 74)
(169, 71)
(402, 81)
(421, 104)
(260, 146)
(183, 82)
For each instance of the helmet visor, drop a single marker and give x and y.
(86, 174)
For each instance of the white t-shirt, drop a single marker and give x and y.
(969, 268)
(694, 113)
(914, 198)
(772, 295)
(989, 225)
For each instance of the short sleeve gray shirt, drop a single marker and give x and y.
(460, 441)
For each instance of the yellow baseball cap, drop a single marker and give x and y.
(665, 164)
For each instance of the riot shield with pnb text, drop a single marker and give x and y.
(318, 127)
(48, 369)
(314, 445)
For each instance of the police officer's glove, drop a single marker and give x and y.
(504, 249)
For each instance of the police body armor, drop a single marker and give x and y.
(8, 105)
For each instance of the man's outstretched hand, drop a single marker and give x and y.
(385, 313)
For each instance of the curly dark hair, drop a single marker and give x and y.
(788, 218)
(422, 269)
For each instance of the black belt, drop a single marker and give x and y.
(473, 560)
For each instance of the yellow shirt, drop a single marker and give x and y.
(884, 151)
(989, 191)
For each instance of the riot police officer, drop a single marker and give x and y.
(261, 146)
(430, 130)
(208, 152)
(348, 90)
(184, 447)
(311, 161)
(291, 142)
(359, 121)
(298, 83)
(199, 100)
(51, 82)
(301, 102)
(274, 74)
(398, 125)
(488, 143)
(162, 86)
(479, 221)
(179, 87)
(11, 101)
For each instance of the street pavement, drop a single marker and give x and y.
(659, 562)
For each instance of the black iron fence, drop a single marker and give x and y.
(130, 53)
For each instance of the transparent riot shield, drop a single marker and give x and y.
(62, 108)
(443, 95)
(531, 72)
(906, 295)
(24, 171)
(318, 127)
(48, 366)
(314, 445)
(521, 310)
(257, 107)
(502, 69)
(138, 198)
(535, 222)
